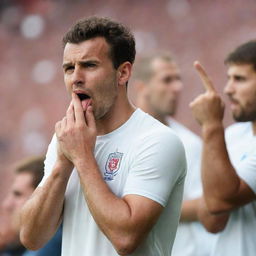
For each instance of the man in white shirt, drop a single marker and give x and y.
(112, 173)
(157, 85)
(229, 162)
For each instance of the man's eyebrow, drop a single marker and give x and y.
(67, 64)
(88, 61)
(82, 62)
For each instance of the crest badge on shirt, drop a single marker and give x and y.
(112, 165)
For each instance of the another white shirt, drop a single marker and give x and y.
(239, 235)
(141, 157)
(192, 239)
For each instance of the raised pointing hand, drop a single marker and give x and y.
(207, 83)
(208, 107)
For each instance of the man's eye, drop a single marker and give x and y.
(17, 194)
(69, 68)
(89, 64)
(239, 78)
(168, 79)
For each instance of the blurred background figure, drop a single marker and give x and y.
(229, 156)
(27, 176)
(157, 84)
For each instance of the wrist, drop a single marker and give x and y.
(210, 129)
(63, 168)
(85, 163)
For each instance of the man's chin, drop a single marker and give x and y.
(243, 118)
(171, 112)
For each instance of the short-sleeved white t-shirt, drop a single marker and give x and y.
(238, 237)
(191, 239)
(141, 157)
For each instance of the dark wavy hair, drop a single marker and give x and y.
(119, 37)
(244, 54)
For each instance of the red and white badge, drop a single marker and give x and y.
(112, 165)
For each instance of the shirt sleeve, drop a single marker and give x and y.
(247, 170)
(50, 159)
(158, 165)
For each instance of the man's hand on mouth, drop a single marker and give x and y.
(85, 100)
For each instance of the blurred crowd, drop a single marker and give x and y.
(32, 91)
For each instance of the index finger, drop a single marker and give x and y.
(207, 83)
(78, 110)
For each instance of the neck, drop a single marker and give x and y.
(146, 108)
(119, 113)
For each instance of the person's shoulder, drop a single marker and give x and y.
(150, 125)
(52, 149)
(186, 135)
(156, 133)
(53, 141)
(237, 129)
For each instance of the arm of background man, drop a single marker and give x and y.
(196, 210)
(42, 213)
(213, 223)
(193, 185)
(189, 210)
(224, 190)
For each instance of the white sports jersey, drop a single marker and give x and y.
(191, 239)
(238, 237)
(141, 157)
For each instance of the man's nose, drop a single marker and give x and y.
(78, 77)
(176, 86)
(8, 204)
(229, 88)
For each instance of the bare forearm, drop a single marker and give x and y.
(220, 181)
(100, 199)
(189, 210)
(42, 214)
(213, 223)
(116, 217)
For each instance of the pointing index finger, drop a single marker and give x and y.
(207, 83)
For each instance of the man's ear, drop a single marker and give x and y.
(124, 73)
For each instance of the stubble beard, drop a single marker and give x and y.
(172, 110)
(242, 116)
(102, 111)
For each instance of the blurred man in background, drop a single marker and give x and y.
(157, 84)
(229, 163)
(28, 174)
